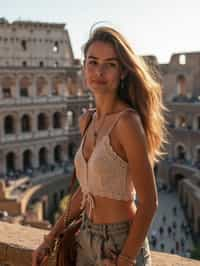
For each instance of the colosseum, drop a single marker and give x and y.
(41, 97)
(181, 166)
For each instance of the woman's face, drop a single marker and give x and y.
(102, 68)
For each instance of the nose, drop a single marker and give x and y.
(100, 70)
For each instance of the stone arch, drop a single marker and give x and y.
(9, 124)
(41, 64)
(197, 157)
(57, 86)
(8, 85)
(196, 122)
(176, 179)
(42, 86)
(25, 86)
(55, 199)
(62, 193)
(10, 162)
(42, 121)
(71, 85)
(181, 121)
(58, 153)
(71, 150)
(70, 119)
(27, 159)
(180, 152)
(182, 59)
(43, 156)
(181, 85)
(25, 123)
(57, 120)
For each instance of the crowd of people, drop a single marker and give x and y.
(170, 231)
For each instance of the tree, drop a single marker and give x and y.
(63, 204)
(195, 253)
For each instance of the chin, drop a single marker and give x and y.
(98, 88)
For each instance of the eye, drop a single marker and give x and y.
(112, 64)
(92, 62)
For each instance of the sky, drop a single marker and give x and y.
(153, 27)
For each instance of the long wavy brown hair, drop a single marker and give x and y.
(141, 89)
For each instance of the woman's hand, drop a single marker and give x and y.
(40, 255)
(117, 261)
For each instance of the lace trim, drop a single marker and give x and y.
(112, 152)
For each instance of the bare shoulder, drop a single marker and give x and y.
(133, 139)
(131, 120)
(130, 127)
(83, 119)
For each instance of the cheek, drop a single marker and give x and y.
(88, 78)
(116, 79)
(86, 75)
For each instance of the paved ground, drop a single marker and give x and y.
(179, 240)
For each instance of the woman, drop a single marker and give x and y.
(116, 157)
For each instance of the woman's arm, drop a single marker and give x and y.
(133, 140)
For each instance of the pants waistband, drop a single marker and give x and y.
(109, 228)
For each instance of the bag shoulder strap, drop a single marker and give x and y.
(89, 114)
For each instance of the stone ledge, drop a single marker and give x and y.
(17, 243)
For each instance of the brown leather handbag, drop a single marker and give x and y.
(63, 250)
(65, 244)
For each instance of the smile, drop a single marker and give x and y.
(100, 82)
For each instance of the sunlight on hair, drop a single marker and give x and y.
(103, 23)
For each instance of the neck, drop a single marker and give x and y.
(105, 105)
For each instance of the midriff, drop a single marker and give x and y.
(111, 211)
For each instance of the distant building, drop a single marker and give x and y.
(41, 97)
(181, 167)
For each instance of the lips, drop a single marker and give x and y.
(100, 82)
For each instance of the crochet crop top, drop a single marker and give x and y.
(105, 174)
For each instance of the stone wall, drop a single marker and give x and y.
(17, 243)
(37, 44)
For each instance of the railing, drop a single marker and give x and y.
(193, 187)
(17, 243)
(35, 174)
(189, 129)
(185, 163)
(39, 134)
(185, 99)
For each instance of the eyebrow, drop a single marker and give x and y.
(107, 59)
